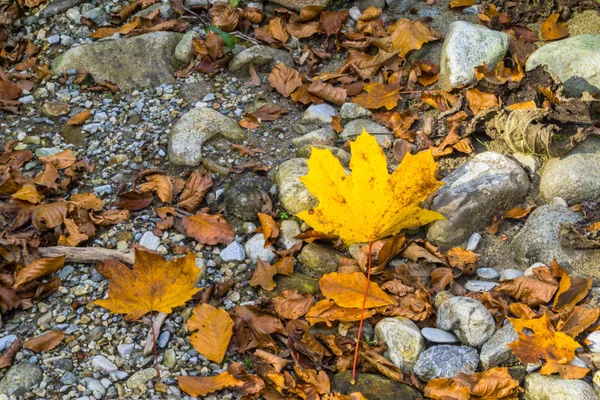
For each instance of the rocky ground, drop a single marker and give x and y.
(158, 120)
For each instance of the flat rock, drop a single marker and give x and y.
(403, 340)
(509, 274)
(255, 249)
(288, 230)
(353, 111)
(259, 56)
(468, 46)
(324, 135)
(342, 155)
(539, 241)
(355, 128)
(373, 386)
(468, 319)
(233, 252)
(575, 61)
(320, 114)
(143, 61)
(441, 336)
(304, 284)
(576, 176)
(194, 128)
(488, 274)
(490, 183)
(495, 351)
(544, 387)
(20, 378)
(140, 379)
(316, 260)
(150, 241)
(480, 286)
(293, 195)
(298, 5)
(445, 361)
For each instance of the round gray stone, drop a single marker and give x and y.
(468, 319)
(445, 361)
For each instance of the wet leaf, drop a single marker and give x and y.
(263, 275)
(201, 386)
(211, 329)
(153, 284)
(552, 29)
(292, 305)
(208, 229)
(347, 290)
(134, 200)
(44, 342)
(38, 269)
(284, 79)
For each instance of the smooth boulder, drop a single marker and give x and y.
(140, 62)
(542, 387)
(403, 340)
(259, 56)
(489, 184)
(470, 321)
(468, 46)
(293, 195)
(20, 378)
(446, 361)
(575, 61)
(495, 351)
(194, 128)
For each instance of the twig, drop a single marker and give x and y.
(154, 345)
(87, 254)
(245, 37)
(156, 325)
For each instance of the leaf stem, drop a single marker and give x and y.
(154, 345)
(362, 313)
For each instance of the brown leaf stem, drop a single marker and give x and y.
(362, 312)
(154, 345)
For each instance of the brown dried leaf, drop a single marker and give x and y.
(378, 95)
(201, 386)
(284, 79)
(44, 342)
(79, 119)
(195, 189)
(411, 35)
(38, 269)
(328, 92)
(263, 275)
(332, 21)
(162, 185)
(208, 229)
(292, 305)
(48, 216)
(211, 329)
(529, 290)
(135, 200)
(552, 29)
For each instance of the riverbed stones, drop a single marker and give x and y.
(495, 351)
(552, 387)
(489, 184)
(20, 378)
(445, 361)
(468, 319)
(293, 195)
(143, 61)
(194, 128)
(403, 340)
(468, 46)
(316, 260)
(259, 56)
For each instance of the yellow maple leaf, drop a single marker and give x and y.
(369, 204)
(154, 284)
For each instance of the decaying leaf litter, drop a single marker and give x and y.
(282, 355)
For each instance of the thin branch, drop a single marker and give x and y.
(87, 254)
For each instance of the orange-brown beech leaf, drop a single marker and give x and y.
(415, 252)
(285, 266)
(565, 371)
(446, 389)
(552, 29)
(278, 363)
(49, 215)
(162, 185)
(309, 13)
(495, 383)
(211, 329)
(79, 119)
(416, 306)
(480, 101)
(396, 287)
(301, 95)
(570, 292)
(270, 112)
(6, 360)
(518, 212)
(269, 227)
(378, 95)
(347, 290)
(389, 249)
(61, 160)
(443, 101)
(529, 290)
(543, 344)
(208, 229)
(224, 16)
(74, 236)
(110, 217)
(135, 200)
(332, 21)
(440, 279)
(153, 284)
(326, 91)
(252, 14)
(411, 35)
(263, 275)
(336, 124)
(578, 320)
(284, 79)
(292, 305)
(44, 342)
(29, 194)
(85, 201)
(47, 177)
(104, 32)
(201, 386)
(194, 190)
(461, 3)
(370, 14)
(277, 30)
(327, 311)
(461, 258)
(40, 268)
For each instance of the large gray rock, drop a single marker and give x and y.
(143, 61)
(184, 51)
(403, 340)
(468, 319)
(373, 386)
(576, 176)
(539, 241)
(542, 387)
(575, 61)
(293, 195)
(194, 128)
(489, 184)
(20, 378)
(468, 46)
(259, 56)
(495, 351)
(316, 260)
(445, 361)
(354, 128)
